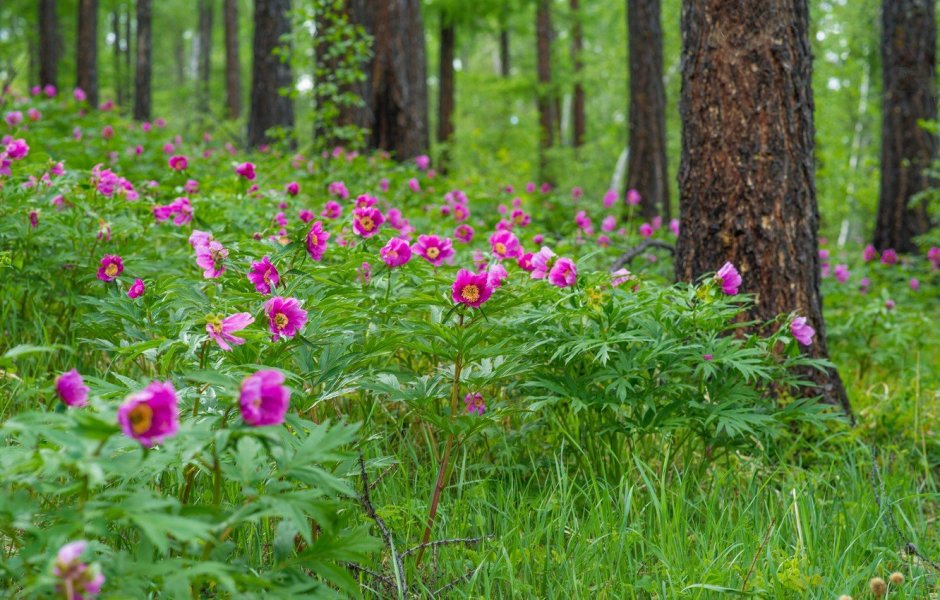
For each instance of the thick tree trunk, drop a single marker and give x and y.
(578, 121)
(116, 55)
(747, 171)
(48, 43)
(504, 56)
(908, 53)
(647, 171)
(233, 74)
(546, 103)
(142, 94)
(205, 54)
(445, 113)
(269, 108)
(86, 65)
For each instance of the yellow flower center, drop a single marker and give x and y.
(111, 270)
(217, 327)
(433, 252)
(470, 293)
(267, 276)
(141, 417)
(280, 320)
(391, 254)
(520, 219)
(366, 223)
(500, 248)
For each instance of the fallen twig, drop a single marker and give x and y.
(628, 256)
(436, 543)
(399, 569)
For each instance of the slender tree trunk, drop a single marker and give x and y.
(126, 50)
(179, 57)
(747, 170)
(269, 108)
(647, 170)
(87, 52)
(579, 123)
(142, 110)
(445, 114)
(48, 43)
(908, 51)
(205, 54)
(504, 55)
(546, 103)
(116, 55)
(233, 75)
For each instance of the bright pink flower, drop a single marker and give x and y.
(367, 221)
(842, 273)
(657, 223)
(423, 162)
(609, 223)
(211, 257)
(13, 118)
(80, 581)
(646, 230)
(365, 273)
(107, 132)
(869, 254)
(199, 238)
(246, 170)
(542, 262)
(520, 218)
(191, 186)
(111, 267)
(633, 197)
(620, 277)
(305, 215)
(530, 187)
(496, 274)
(383, 184)
(150, 415)
(34, 114)
(264, 275)
(475, 403)
(914, 283)
(17, 149)
(414, 185)
(292, 188)
(396, 252)
(464, 233)
(933, 255)
(584, 222)
(889, 257)
(434, 249)
(505, 245)
(71, 388)
(801, 331)
(178, 162)
(221, 330)
(34, 218)
(366, 201)
(563, 273)
(472, 289)
(136, 290)
(285, 317)
(610, 198)
(525, 262)
(546, 187)
(79, 95)
(823, 254)
(338, 189)
(181, 208)
(889, 304)
(729, 278)
(317, 241)
(603, 241)
(264, 399)
(863, 285)
(674, 227)
(332, 210)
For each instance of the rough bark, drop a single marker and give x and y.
(747, 190)
(205, 54)
(48, 43)
(908, 53)
(647, 170)
(233, 74)
(86, 65)
(505, 57)
(546, 104)
(142, 93)
(445, 106)
(578, 120)
(269, 108)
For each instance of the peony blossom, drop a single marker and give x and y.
(869, 254)
(525, 262)
(802, 331)
(472, 289)
(914, 283)
(71, 389)
(111, 267)
(475, 403)
(150, 415)
(423, 162)
(221, 330)
(367, 221)
(434, 249)
(730, 279)
(246, 170)
(264, 275)
(317, 241)
(396, 252)
(609, 223)
(646, 230)
(674, 227)
(610, 198)
(842, 273)
(264, 399)
(178, 162)
(285, 317)
(332, 210)
(80, 581)
(633, 197)
(542, 262)
(136, 290)
(463, 233)
(889, 257)
(413, 185)
(211, 257)
(505, 245)
(292, 188)
(563, 273)
(933, 255)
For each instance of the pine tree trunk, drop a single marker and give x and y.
(578, 120)
(233, 75)
(126, 50)
(445, 115)
(747, 190)
(269, 108)
(205, 54)
(142, 94)
(116, 55)
(546, 104)
(908, 53)
(504, 55)
(87, 51)
(48, 43)
(647, 170)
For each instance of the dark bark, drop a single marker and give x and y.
(647, 170)
(546, 103)
(505, 57)
(86, 65)
(445, 113)
(48, 43)
(233, 74)
(116, 55)
(578, 120)
(142, 94)
(908, 53)
(269, 108)
(205, 54)
(126, 51)
(746, 180)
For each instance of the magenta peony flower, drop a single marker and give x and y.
(434, 249)
(914, 283)
(246, 170)
(423, 162)
(338, 189)
(633, 197)
(13, 118)
(525, 262)
(367, 221)
(889, 304)
(71, 389)
(472, 289)
(364, 273)
(842, 273)
(933, 255)
(80, 581)
(464, 233)
(316, 241)
(285, 317)
(496, 274)
(505, 245)
(366, 201)
(863, 285)
(889, 257)
(150, 415)
(178, 162)
(332, 210)
(211, 257)
(199, 238)
(563, 273)
(674, 227)
(111, 267)
(221, 330)
(292, 188)
(869, 254)
(264, 399)
(802, 332)
(17, 149)
(475, 403)
(542, 262)
(620, 277)
(264, 275)
(396, 252)
(137, 289)
(609, 223)
(610, 198)
(646, 230)
(191, 186)
(413, 185)
(34, 219)
(730, 279)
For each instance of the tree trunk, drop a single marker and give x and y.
(116, 55)
(205, 54)
(233, 75)
(647, 171)
(126, 50)
(48, 43)
(142, 110)
(179, 56)
(269, 108)
(908, 54)
(445, 114)
(747, 190)
(546, 103)
(86, 65)
(504, 55)
(579, 124)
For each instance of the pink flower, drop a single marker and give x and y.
(292, 188)
(472, 289)
(264, 275)
(530, 187)
(914, 283)
(933, 255)
(889, 304)
(730, 279)
(423, 162)
(396, 252)
(525, 262)
(34, 114)
(34, 218)
(434, 249)
(221, 330)
(842, 273)
(889, 257)
(364, 273)
(707, 357)
(367, 221)
(79, 95)
(264, 399)
(181, 208)
(305, 215)
(338, 189)
(505, 245)
(17, 149)
(620, 277)
(413, 185)
(674, 227)
(316, 241)
(869, 254)
(496, 274)
(246, 170)
(366, 201)
(136, 290)
(332, 210)
(609, 223)
(13, 118)
(211, 257)
(191, 186)
(633, 197)
(475, 403)
(71, 389)
(801, 331)
(111, 267)
(383, 184)
(178, 162)
(199, 238)
(576, 193)
(563, 273)
(80, 581)
(863, 285)
(285, 317)
(546, 187)
(150, 415)
(50, 90)
(542, 262)
(610, 198)
(584, 222)
(463, 233)
(646, 230)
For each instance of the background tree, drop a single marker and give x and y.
(747, 193)
(204, 54)
(86, 66)
(270, 74)
(446, 99)
(546, 103)
(647, 169)
(49, 43)
(908, 51)
(143, 75)
(233, 75)
(578, 118)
